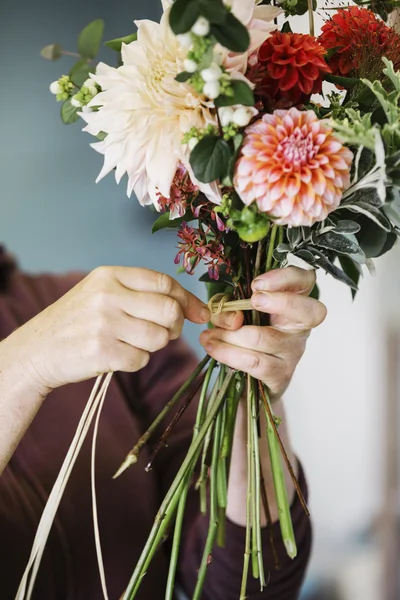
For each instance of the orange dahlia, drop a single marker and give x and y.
(289, 68)
(361, 39)
(293, 166)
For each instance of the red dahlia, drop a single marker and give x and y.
(361, 39)
(289, 69)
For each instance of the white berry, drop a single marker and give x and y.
(212, 73)
(185, 40)
(226, 114)
(201, 27)
(242, 117)
(190, 66)
(87, 109)
(193, 143)
(55, 88)
(212, 89)
(75, 102)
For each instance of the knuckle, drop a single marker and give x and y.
(160, 338)
(253, 362)
(102, 273)
(165, 284)
(172, 311)
(101, 300)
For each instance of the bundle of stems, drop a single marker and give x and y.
(207, 462)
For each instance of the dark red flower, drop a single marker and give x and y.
(361, 39)
(182, 193)
(195, 245)
(288, 70)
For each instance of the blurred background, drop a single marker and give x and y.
(343, 400)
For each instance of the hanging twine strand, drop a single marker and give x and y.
(222, 303)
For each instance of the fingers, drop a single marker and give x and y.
(228, 320)
(261, 339)
(143, 335)
(290, 279)
(144, 280)
(161, 310)
(270, 369)
(290, 311)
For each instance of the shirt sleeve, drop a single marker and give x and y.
(158, 382)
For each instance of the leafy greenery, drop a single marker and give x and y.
(51, 52)
(69, 114)
(164, 221)
(210, 159)
(80, 72)
(90, 38)
(183, 15)
(117, 43)
(241, 94)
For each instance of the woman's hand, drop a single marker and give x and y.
(111, 321)
(271, 353)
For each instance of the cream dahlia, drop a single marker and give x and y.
(145, 113)
(293, 166)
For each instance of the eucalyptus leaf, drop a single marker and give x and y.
(294, 236)
(80, 72)
(373, 213)
(371, 237)
(352, 270)
(306, 255)
(183, 15)
(165, 222)
(214, 11)
(337, 273)
(210, 159)
(117, 43)
(233, 35)
(346, 226)
(89, 40)
(242, 94)
(315, 292)
(51, 52)
(365, 196)
(69, 114)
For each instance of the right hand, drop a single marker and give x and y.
(111, 321)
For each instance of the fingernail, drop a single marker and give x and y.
(205, 314)
(229, 318)
(258, 285)
(260, 300)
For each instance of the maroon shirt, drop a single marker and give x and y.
(127, 505)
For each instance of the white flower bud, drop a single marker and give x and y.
(185, 40)
(56, 88)
(201, 27)
(89, 83)
(190, 66)
(242, 116)
(75, 102)
(93, 91)
(226, 114)
(193, 143)
(87, 109)
(212, 89)
(212, 73)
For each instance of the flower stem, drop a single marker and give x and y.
(271, 247)
(133, 455)
(213, 526)
(247, 550)
(257, 484)
(311, 16)
(170, 589)
(264, 497)
(171, 499)
(285, 519)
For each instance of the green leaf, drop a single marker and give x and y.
(117, 43)
(164, 221)
(294, 236)
(183, 77)
(347, 227)
(345, 82)
(183, 15)
(286, 28)
(69, 114)
(333, 270)
(51, 52)
(242, 94)
(352, 270)
(210, 159)
(371, 237)
(315, 292)
(90, 39)
(337, 243)
(80, 72)
(331, 51)
(372, 212)
(214, 11)
(233, 35)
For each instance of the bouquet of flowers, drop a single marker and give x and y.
(212, 115)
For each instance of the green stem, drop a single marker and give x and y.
(311, 16)
(271, 247)
(202, 481)
(133, 455)
(173, 494)
(170, 589)
(213, 526)
(281, 233)
(247, 551)
(285, 517)
(257, 486)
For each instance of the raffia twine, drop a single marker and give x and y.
(222, 303)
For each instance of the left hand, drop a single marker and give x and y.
(269, 353)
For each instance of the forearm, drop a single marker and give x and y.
(237, 491)
(20, 395)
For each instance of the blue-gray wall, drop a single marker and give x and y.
(52, 214)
